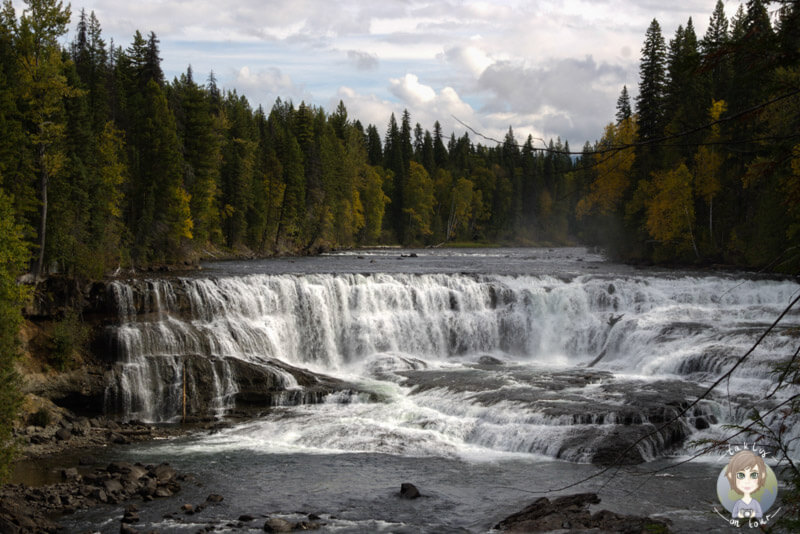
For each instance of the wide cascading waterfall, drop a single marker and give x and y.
(491, 338)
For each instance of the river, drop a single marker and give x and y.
(486, 377)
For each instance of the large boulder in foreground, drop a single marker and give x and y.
(571, 513)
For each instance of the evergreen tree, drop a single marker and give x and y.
(43, 87)
(338, 120)
(652, 84)
(165, 222)
(440, 156)
(393, 161)
(201, 141)
(419, 143)
(236, 174)
(715, 53)
(374, 148)
(16, 155)
(426, 156)
(623, 105)
(686, 95)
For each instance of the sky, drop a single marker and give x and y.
(551, 68)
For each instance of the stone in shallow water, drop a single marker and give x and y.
(571, 512)
(409, 491)
(276, 524)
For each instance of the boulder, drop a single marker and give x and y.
(70, 473)
(409, 491)
(571, 512)
(112, 485)
(164, 473)
(276, 524)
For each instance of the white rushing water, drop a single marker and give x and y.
(463, 364)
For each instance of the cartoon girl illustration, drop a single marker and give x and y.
(746, 474)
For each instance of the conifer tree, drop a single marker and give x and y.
(16, 154)
(43, 87)
(623, 105)
(201, 142)
(714, 52)
(652, 84)
(686, 94)
(439, 150)
(374, 148)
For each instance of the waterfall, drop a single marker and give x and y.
(200, 332)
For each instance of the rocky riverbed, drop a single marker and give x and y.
(78, 480)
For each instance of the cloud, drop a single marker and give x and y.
(425, 109)
(409, 90)
(570, 97)
(363, 60)
(470, 58)
(271, 83)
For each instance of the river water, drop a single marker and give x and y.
(486, 377)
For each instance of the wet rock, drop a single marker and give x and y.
(409, 491)
(246, 517)
(187, 509)
(116, 483)
(38, 439)
(134, 473)
(306, 525)
(112, 486)
(571, 513)
(70, 474)
(118, 439)
(214, 498)
(149, 486)
(162, 492)
(164, 473)
(276, 524)
(130, 517)
(119, 467)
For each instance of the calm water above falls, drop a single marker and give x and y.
(476, 374)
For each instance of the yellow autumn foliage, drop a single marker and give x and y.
(670, 210)
(613, 170)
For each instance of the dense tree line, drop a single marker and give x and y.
(705, 165)
(107, 164)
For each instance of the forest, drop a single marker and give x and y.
(105, 165)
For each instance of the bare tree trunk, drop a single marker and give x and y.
(711, 223)
(43, 179)
(451, 219)
(691, 234)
